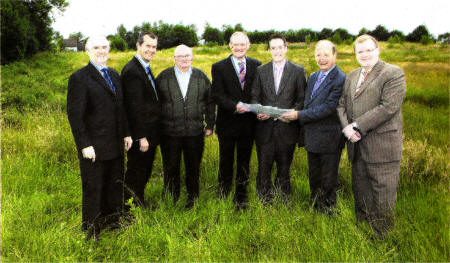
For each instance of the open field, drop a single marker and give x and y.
(41, 188)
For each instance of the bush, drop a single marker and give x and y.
(118, 43)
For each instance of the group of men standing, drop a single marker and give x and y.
(135, 109)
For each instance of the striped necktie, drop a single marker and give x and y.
(242, 73)
(365, 74)
(317, 84)
(108, 79)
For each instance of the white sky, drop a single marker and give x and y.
(93, 17)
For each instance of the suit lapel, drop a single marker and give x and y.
(270, 78)
(372, 75)
(323, 86)
(285, 77)
(309, 88)
(143, 73)
(97, 76)
(232, 72)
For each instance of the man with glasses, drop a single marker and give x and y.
(281, 84)
(186, 102)
(370, 113)
(232, 80)
(143, 112)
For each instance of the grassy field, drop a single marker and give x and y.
(41, 187)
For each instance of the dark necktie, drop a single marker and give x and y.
(317, 84)
(242, 73)
(147, 69)
(108, 79)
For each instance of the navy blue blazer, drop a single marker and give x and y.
(322, 129)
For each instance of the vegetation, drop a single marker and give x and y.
(26, 27)
(41, 188)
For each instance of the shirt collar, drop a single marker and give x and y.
(326, 72)
(237, 61)
(98, 67)
(178, 71)
(142, 61)
(275, 67)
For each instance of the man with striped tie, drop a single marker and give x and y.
(143, 111)
(232, 80)
(370, 111)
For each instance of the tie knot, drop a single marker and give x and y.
(104, 70)
(241, 64)
(147, 69)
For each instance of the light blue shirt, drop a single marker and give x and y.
(183, 80)
(326, 72)
(99, 68)
(145, 65)
(237, 68)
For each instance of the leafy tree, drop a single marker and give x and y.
(325, 33)
(343, 33)
(380, 33)
(336, 38)
(417, 33)
(212, 34)
(444, 38)
(26, 27)
(227, 32)
(118, 43)
(363, 31)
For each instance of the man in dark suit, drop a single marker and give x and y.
(370, 113)
(186, 102)
(323, 137)
(143, 111)
(232, 79)
(281, 84)
(99, 127)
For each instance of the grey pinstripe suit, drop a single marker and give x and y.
(376, 157)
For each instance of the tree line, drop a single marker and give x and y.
(26, 29)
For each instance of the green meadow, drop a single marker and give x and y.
(41, 186)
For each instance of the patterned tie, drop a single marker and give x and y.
(108, 79)
(358, 90)
(317, 84)
(147, 69)
(242, 73)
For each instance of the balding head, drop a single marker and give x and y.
(325, 55)
(97, 48)
(183, 57)
(323, 44)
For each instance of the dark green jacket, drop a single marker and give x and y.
(185, 117)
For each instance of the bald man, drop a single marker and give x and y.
(323, 137)
(99, 127)
(186, 103)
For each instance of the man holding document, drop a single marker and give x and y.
(279, 84)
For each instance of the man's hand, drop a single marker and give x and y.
(143, 144)
(349, 131)
(356, 137)
(241, 108)
(262, 116)
(208, 133)
(128, 142)
(289, 116)
(88, 153)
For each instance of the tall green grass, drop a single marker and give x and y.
(41, 188)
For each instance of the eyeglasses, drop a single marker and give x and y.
(365, 51)
(183, 56)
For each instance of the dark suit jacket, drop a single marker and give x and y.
(96, 114)
(227, 92)
(377, 110)
(319, 118)
(291, 95)
(141, 104)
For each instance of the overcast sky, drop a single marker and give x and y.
(92, 17)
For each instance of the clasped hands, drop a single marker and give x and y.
(89, 152)
(352, 134)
